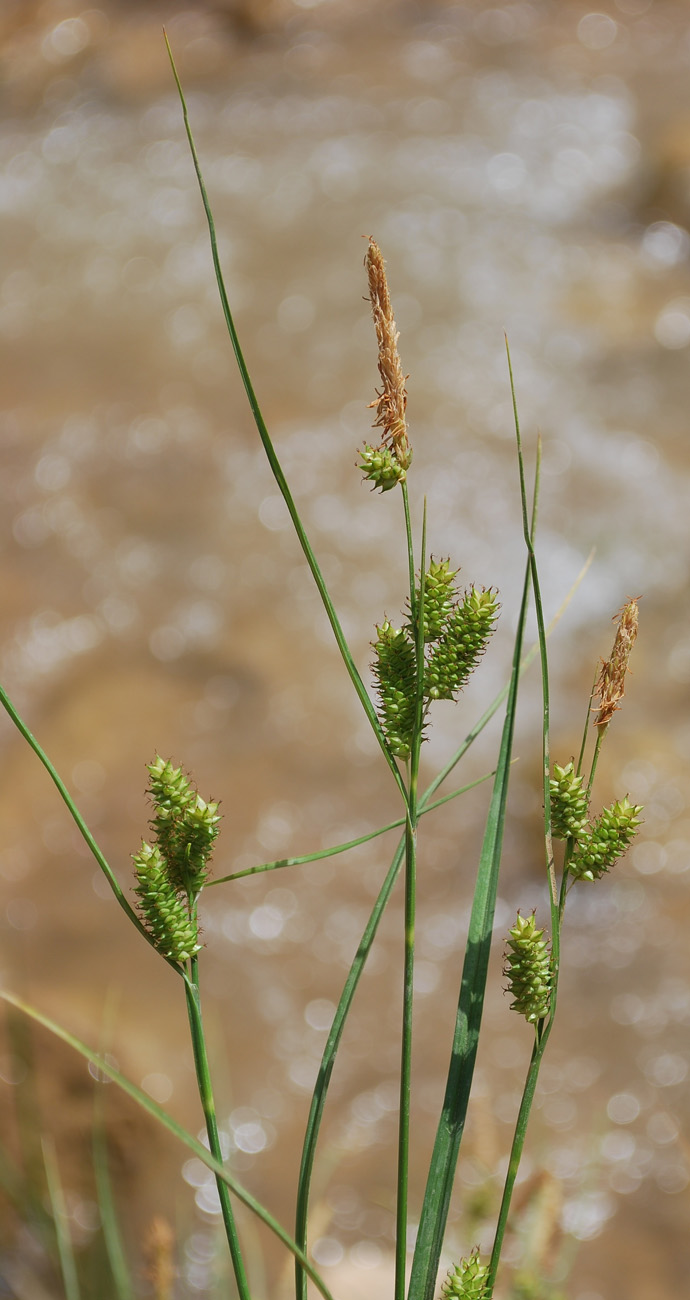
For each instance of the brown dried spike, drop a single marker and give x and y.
(391, 402)
(159, 1268)
(610, 687)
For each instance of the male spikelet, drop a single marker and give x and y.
(391, 402)
(466, 1280)
(610, 687)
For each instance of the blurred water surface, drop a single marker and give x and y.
(524, 168)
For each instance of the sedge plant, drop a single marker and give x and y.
(423, 657)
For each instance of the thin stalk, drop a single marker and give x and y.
(516, 1152)
(273, 461)
(335, 1034)
(585, 729)
(528, 532)
(601, 732)
(203, 1077)
(417, 614)
(542, 1030)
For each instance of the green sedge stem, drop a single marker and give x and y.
(516, 1152)
(585, 729)
(601, 732)
(417, 613)
(318, 1100)
(203, 1076)
(528, 531)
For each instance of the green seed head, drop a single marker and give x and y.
(466, 1280)
(569, 802)
(600, 847)
(395, 671)
(185, 827)
(455, 656)
(164, 914)
(528, 968)
(383, 467)
(439, 597)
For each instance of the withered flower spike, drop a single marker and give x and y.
(610, 687)
(391, 402)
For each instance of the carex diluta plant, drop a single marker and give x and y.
(428, 658)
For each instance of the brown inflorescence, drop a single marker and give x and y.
(610, 687)
(391, 402)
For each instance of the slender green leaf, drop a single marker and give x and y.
(273, 460)
(470, 1006)
(76, 816)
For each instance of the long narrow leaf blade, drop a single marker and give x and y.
(272, 457)
(444, 1158)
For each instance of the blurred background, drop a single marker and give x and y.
(525, 167)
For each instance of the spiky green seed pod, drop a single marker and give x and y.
(528, 968)
(466, 1280)
(454, 658)
(382, 467)
(599, 848)
(164, 914)
(439, 597)
(569, 803)
(395, 672)
(185, 826)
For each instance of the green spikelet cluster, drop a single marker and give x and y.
(569, 803)
(163, 911)
(439, 597)
(466, 1280)
(381, 466)
(456, 654)
(528, 968)
(599, 847)
(184, 825)
(395, 672)
(171, 872)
